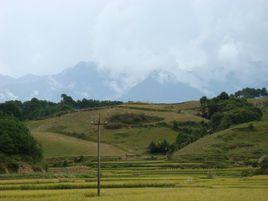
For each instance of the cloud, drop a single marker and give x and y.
(197, 40)
(182, 37)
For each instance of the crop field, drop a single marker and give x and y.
(137, 180)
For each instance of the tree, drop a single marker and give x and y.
(251, 93)
(12, 108)
(264, 92)
(204, 106)
(68, 100)
(15, 139)
(223, 96)
(160, 147)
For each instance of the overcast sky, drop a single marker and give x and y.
(194, 39)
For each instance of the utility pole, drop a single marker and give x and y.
(99, 124)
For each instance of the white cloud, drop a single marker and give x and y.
(228, 52)
(182, 37)
(197, 40)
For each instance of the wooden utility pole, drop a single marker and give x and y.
(99, 124)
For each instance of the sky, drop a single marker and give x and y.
(197, 40)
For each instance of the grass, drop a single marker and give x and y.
(143, 177)
(140, 194)
(236, 145)
(177, 184)
(130, 139)
(140, 180)
(56, 145)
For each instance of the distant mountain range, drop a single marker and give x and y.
(84, 80)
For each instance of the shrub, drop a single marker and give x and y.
(248, 173)
(263, 162)
(113, 126)
(160, 147)
(132, 118)
(15, 139)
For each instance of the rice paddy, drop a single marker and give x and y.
(137, 180)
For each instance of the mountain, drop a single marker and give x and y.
(161, 86)
(81, 81)
(84, 80)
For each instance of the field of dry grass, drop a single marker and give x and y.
(132, 139)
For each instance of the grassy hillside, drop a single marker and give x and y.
(72, 134)
(59, 135)
(55, 145)
(238, 145)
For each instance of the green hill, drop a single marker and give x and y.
(243, 144)
(73, 134)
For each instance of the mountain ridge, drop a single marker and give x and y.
(87, 80)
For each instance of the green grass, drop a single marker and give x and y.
(140, 194)
(234, 146)
(123, 183)
(237, 145)
(142, 180)
(140, 177)
(56, 145)
(56, 134)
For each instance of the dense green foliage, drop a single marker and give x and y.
(189, 132)
(225, 111)
(222, 112)
(33, 109)
(86, 103)
(119, 120)
(37, 109)
(15, 139)
(160, 147)
(263, 163)
(251, 93)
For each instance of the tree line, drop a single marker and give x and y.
(251, 93)
(38, 109)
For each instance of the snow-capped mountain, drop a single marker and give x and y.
(80, 81)
(85, 80)
(161, 86)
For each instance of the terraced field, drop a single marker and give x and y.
(138, 180)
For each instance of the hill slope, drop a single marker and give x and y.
(239, 145)
(72, 135)
(56, 145)
(64, 131)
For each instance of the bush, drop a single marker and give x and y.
(263, 162)
(15, 139)
(160, 147)
(189, 132)
(113, 126)
(225, 111)
(248, 173)
(132, 118)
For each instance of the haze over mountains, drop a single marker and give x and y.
(85, 80)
